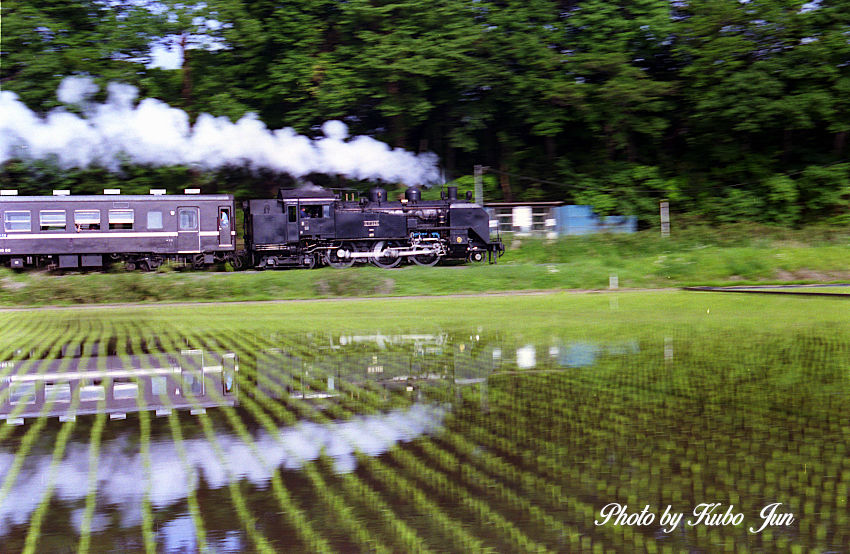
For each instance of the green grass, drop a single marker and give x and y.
(633, 314)
(694, 256)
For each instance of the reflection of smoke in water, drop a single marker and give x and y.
(120, 465)
(152, 132)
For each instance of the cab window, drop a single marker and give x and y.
(311, 211)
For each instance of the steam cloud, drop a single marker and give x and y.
(152, 132)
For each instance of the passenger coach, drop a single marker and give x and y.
(143, 231)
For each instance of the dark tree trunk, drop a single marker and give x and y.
(396, 121)
(631, 149)
(186, 70)
(505, 182)
(840, 140)
(787, 144)
(551, 148)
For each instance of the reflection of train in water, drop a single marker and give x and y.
(74, 385)
(302, 227)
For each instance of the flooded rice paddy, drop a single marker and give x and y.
(442, 425)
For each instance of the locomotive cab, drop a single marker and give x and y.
(285, 231)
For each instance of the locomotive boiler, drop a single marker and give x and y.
(310, 226)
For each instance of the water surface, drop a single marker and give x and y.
(127, 433)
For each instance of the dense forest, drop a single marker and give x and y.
(732, 109)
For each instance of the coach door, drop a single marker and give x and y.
(224, 224)
(188, 230)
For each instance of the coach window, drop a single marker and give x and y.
(154, 220)
(87, 220)
(17, 221)
(293, 213)
(121, 219)
(188, 219)
(52, 220)
(326, 211)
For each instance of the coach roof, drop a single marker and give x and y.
(187, 198)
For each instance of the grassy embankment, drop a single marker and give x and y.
(695, 256)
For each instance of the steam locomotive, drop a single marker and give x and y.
(308, 226)
(302, 227)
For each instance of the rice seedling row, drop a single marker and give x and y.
(58, 452)
(247, 520)
(355, 484)
(191, 476)
(342, 512)
(91, 497)
(404, 537)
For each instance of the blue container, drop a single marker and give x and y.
(580, 220)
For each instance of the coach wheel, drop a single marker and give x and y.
(477, 256)
(381, 256)
(425, 259)
(308, 262)
(144, 265)
(130, 266)
(339, 257)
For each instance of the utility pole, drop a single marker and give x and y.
(479, 184)
(664, 207)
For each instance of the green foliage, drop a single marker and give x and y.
(731, 110)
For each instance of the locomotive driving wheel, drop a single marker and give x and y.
(339, 257)
(308, 261)
(382, 258)
(425, 259)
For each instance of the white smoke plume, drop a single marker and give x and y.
(152, 132)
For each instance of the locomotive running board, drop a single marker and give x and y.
(382, 253)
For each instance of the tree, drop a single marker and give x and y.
(43, 43)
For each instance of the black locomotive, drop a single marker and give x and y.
(309, 226)
(303, 227)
